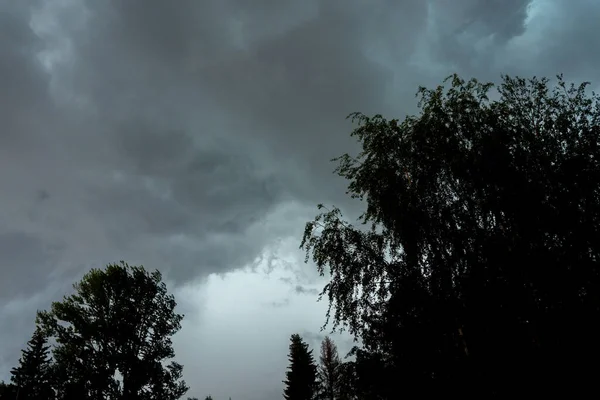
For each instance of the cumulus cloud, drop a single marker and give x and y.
(190, 136)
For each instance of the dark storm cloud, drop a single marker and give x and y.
(20, 252)
(571, 41)
(285, 90)
(502, 18)
(197, 119)
(24, 83)
(25, 106)
(197, 130)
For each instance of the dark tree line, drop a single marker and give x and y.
(474, 269)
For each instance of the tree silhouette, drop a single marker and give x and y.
(8, 391)
(474, 268)
(348, 388)
(32, 377)
(301, 374)
(120, 319)
(329, 370)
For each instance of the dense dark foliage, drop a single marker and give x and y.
(474, 269)
(119, 321)
(8, 391)
(33, 376)
(300, 383)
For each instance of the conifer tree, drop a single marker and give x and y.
(329, 370)
(301, 375)
(32, 376)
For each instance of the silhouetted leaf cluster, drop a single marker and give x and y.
(112, 340)
(474, 268)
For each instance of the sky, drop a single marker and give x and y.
(195, 137)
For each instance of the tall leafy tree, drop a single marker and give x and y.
(120, 320)
(474, 268)
(329, 370)
(300, 383)
(32, 376)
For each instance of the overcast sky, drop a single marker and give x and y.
(195, 137)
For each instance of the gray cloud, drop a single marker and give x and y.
(570, 40)
(296, 289)
(469, 33)
(169, 135)
(23, 251)
(299, 289)
(24, 82)
(279, 303)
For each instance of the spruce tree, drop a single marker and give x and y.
(329, 370)
(302, 372)
(32, 376)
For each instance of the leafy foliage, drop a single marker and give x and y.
(120, 319)
(479, 244)
(301, 375)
